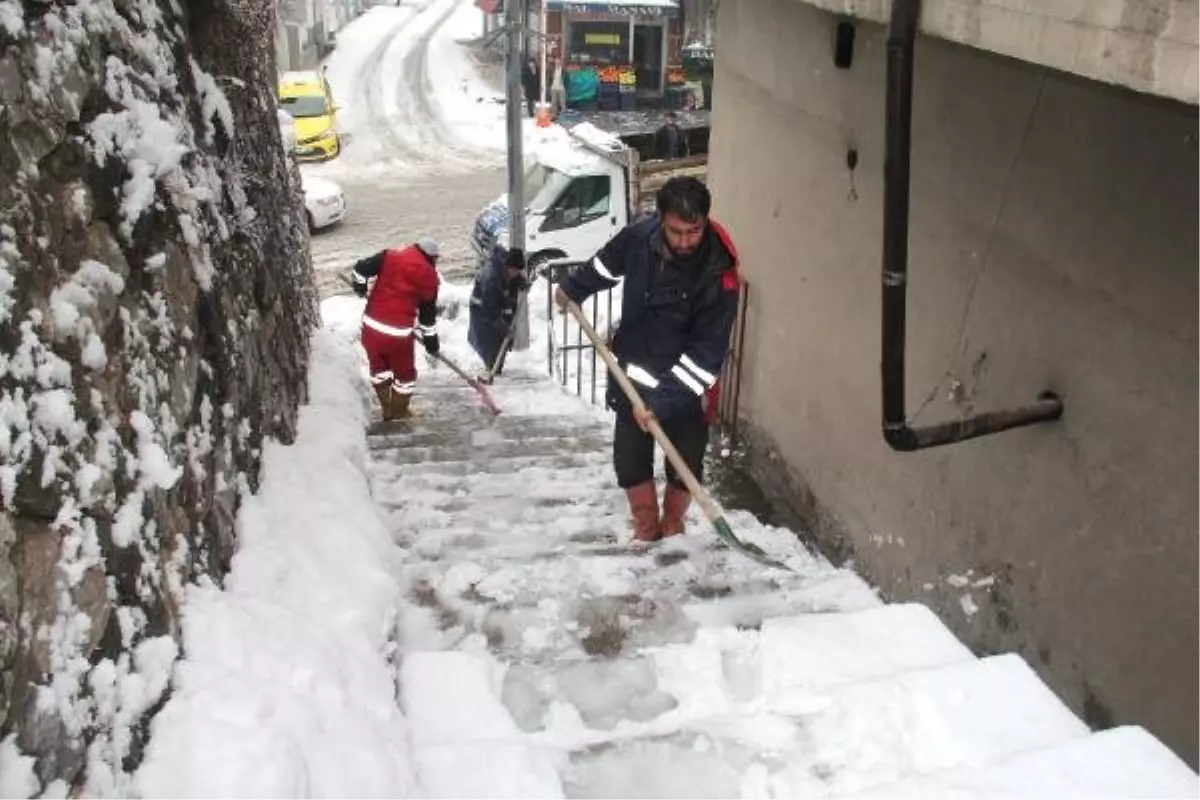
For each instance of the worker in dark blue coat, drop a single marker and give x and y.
(679, 302)
(494, 304)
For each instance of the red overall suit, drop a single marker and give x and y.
(401, 306)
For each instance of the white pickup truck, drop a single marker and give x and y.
(580, 190)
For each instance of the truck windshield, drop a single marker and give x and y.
(542, 185)
(535, 179)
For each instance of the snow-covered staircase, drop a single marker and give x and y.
(544, 654)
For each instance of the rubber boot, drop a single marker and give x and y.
(643, 507)
(675, 506)
(384, 393)
(400, 406)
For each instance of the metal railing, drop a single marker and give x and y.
(730, 392)
(559, 345)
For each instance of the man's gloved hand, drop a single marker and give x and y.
(359, 286)
(654, 407)
(642, 417)
(431, 343)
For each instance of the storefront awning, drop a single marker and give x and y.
(627, 8)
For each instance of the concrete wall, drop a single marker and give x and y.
(1054, 246)
(1147, 45)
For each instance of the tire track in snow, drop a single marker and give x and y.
(416, 94)
(369, 84)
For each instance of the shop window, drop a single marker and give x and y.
(599, 42)
(585, 199)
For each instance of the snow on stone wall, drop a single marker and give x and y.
(156, 303)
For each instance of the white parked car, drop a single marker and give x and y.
(324, 202)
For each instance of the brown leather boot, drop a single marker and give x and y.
(400, 405)
(643, 506)
(675, 506)
(384, 393)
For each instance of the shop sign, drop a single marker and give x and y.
(606, 12)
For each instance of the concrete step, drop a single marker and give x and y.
(442, 377)
(422, 432)
(541, 610)
(384, 467)
(464, 742)
(853, 740)
(964, 714)
(550, 448)
(822, 651)
(534, 481)
(1116, 763)
(513, 509)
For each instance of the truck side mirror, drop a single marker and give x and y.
(553, 220)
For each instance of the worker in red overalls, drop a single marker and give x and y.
(401, 307)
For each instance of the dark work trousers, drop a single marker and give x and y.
(633, 448)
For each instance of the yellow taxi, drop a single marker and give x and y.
(306, 97)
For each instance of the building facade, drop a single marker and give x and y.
(644, 40)
(1052, 247)
(305, 30)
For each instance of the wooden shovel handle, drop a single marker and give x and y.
(706, 503)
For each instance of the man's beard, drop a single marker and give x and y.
(684, 255)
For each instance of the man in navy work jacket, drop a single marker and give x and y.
(680, 300)
(494, 304)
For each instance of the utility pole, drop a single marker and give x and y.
(514, 13)
(543, 46)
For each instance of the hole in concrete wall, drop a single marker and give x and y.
(843, 47)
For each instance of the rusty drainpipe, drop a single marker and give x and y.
(902, 33)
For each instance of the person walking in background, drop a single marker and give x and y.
(558, 88)
(670, 141)
(530, 82)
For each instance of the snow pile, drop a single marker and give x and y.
(597, 137)
(287, 690)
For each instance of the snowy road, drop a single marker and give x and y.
(404, 78)
(421, 156)
(389, 213)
